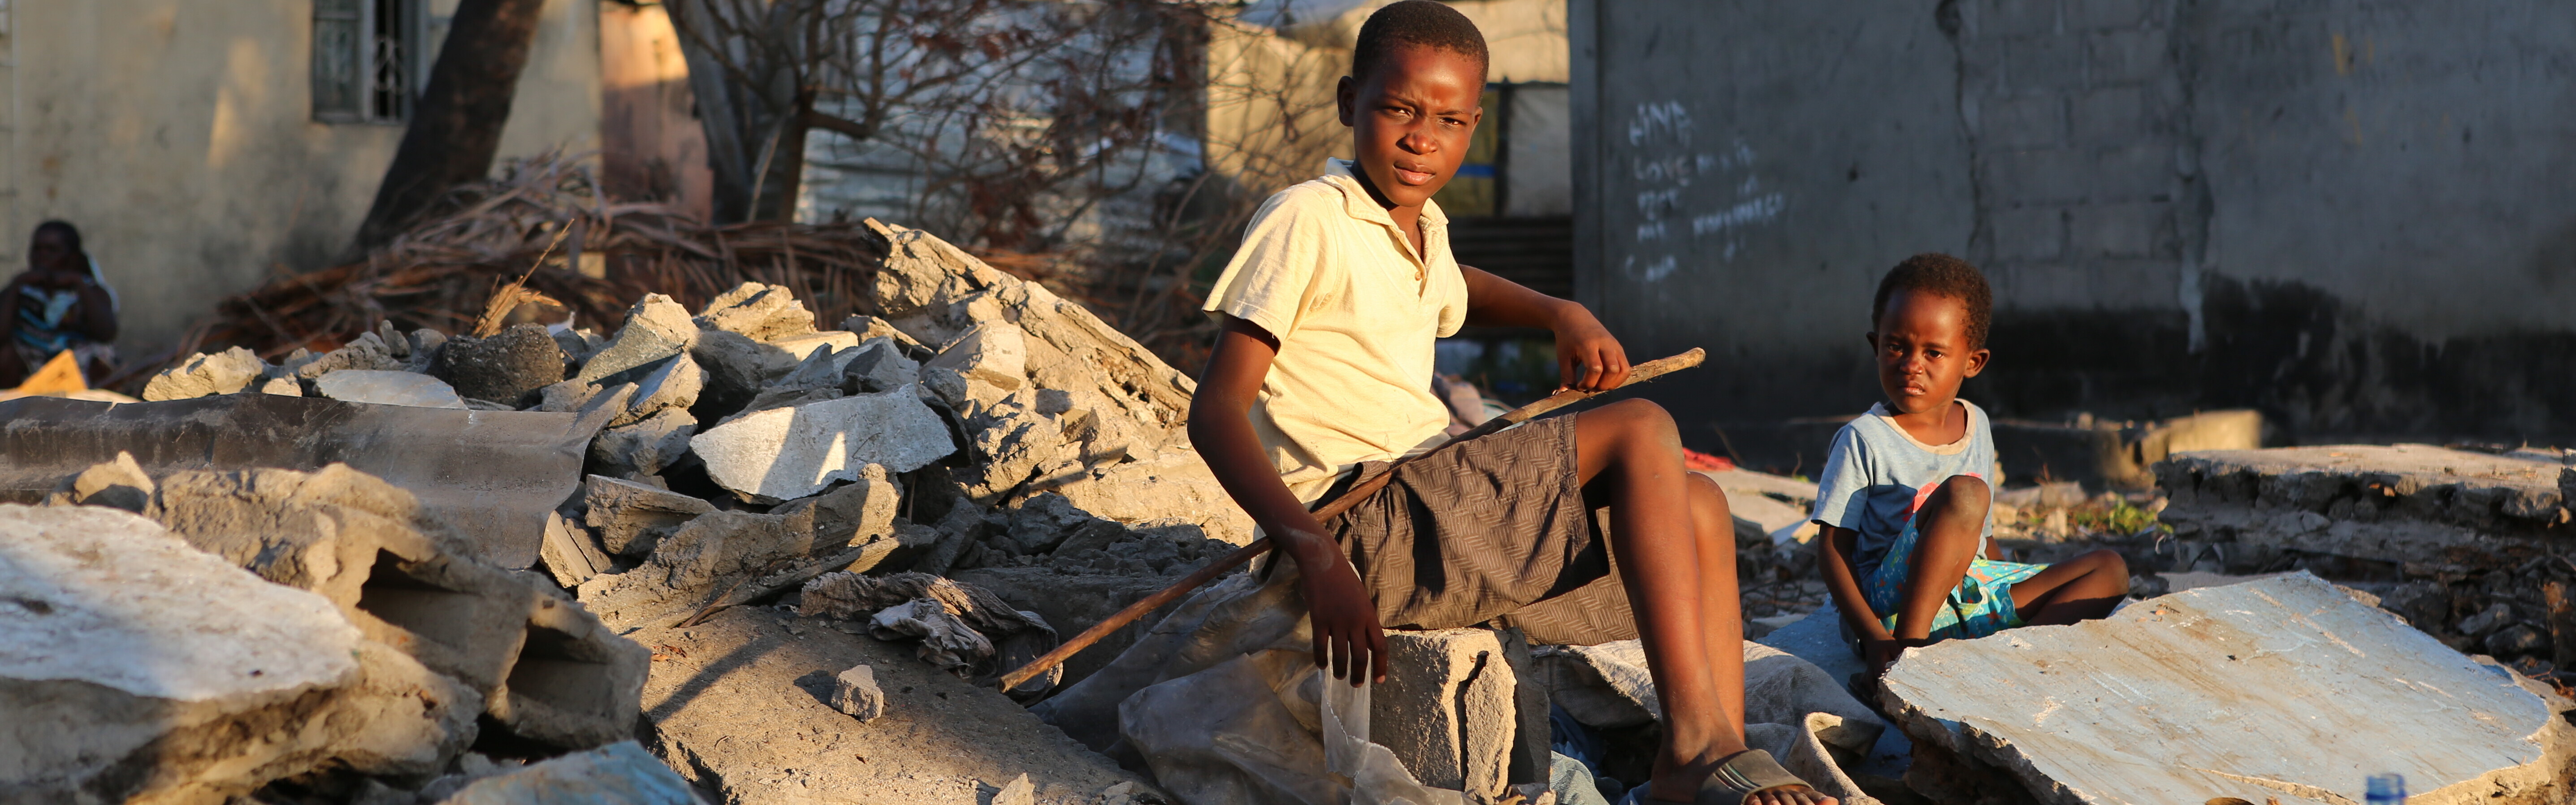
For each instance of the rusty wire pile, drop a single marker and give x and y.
(544, 219)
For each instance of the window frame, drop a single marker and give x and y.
(366, 63)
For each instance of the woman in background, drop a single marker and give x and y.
(57, 304)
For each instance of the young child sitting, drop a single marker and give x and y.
(1322, 373)
(1904, 501)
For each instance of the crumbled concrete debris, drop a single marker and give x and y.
(503, 368)
(699, 563)
(2277, 688)
(1447, 708)
(645, 446)
(656, 328)
(761, 312)
(575, 683)
(2406, 503)
(855, 692)
(631, 517)
(126, 647)
(388, 388)
(365, 352)
(740, 706)
(202, 375)
(794, 452)
(617, 774)
(119, 484)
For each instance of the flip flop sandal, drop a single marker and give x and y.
(1750, 772)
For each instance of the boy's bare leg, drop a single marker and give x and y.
(2079, 589)
(1629, 456)
(1721, 599)
(1948, 530)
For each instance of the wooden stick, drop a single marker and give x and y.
(1638, 374)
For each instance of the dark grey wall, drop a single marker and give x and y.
(2357, 216)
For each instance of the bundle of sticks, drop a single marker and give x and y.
(543, 220)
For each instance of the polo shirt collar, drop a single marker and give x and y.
(1357, 203)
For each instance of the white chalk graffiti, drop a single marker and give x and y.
(1664, 164)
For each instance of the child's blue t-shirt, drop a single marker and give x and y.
(1876, 475)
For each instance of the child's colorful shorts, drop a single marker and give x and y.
(1981, 605)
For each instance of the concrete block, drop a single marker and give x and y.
(2122, 229)
(2016, 17)
(575, 684)
(993, 351)
(389, 388)
(202, 375)
(645, 446)
(656, 328)
(855, 692)
(2029, 233)
(132, 665)
(762, 312)
(1447, 708)
(618, 774)
(2042, 63)
(672, 384)
(2127, 56)
(2285, 688)
(119, 484)
(503, 368)
(630, 516)
(789, 453)
(2111, 116)
(2027, 121)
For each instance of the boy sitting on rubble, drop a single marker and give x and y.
(1322, 373)
(1903, 500)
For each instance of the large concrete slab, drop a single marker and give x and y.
(739, 705)
(2399, 503)
(2285, 689)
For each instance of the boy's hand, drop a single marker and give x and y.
(1348, 639)
(1588, 357)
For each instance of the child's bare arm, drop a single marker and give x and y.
(1587, 356)
(1834, 546)
(1347, 636)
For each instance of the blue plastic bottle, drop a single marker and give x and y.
(2385, 789)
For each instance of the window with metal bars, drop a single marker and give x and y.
(364, 60)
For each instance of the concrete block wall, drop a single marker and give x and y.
(2357, 216)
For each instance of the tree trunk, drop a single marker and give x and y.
(755, 123)
(456, 129)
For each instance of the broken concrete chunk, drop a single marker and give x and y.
(870, 327)
(992, 352)
(699, 564)
(577, 343)
(618, 774)
(1446, 708)
(1042, 522)
(790, 453)
(947, 385)
(656, 328)
(130, 663)
(630, 516)
(2269, 688)
(376, 387)
(364, 352)
(1019, 791)
(646, 446)
(119, 484)
(564, 555)
(425, 346)
(855, 692)
(860, 509)
(737, 368)
(414, 719)
(203, 375)
(880, 365)
(504, 367)
(281, 386)
(763, 312)
(576, 684)
(2401, 503)
(1015, 450)
(2494, 617)
(1171, 483)
(672, 385)
(805, 345)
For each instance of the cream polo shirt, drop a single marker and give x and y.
(1326, 271)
